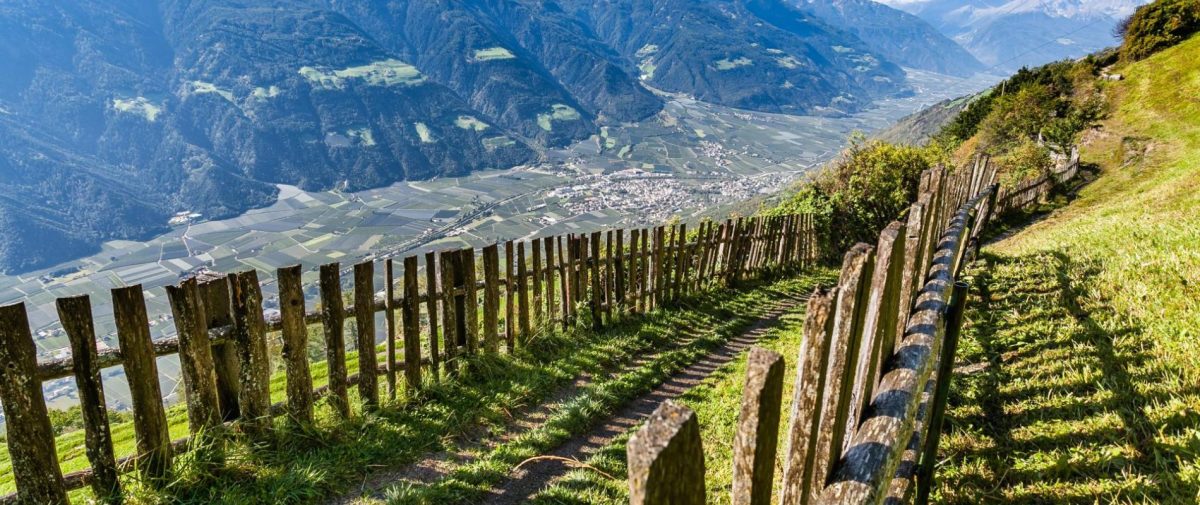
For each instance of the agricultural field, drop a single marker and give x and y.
(692, 159)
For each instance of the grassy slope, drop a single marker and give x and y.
(1090, 323)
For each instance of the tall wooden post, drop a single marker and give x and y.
(137, 352)
(295, 344)
(333, 318)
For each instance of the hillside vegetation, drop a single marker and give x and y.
(1079, 368)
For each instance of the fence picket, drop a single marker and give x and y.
(76, 316)
(411, 312)
(666, 459)
(333, 321)
(364, 324)
(757, 436)
(141, 370)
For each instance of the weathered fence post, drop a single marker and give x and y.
(333, 318)
(510, 292)
(30, 439)
(491, 298)
(523, 331)
(76, 316)
(431, 306)
(295, 344)
(666, 460)
(364, 323)
(807, 399)
(389, 322)
(535, 272)
(225, 359)
(449, 312)
(879, 325)
(757, 436)
(548, 242)
(470, 316)
(141, 371)
(597, 288)
(250, 333)
(954, 319)
(847, 328)
(195, 355)
(411, 317)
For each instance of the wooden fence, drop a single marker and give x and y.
(471, 302)
(1032, 191)
(872, 376)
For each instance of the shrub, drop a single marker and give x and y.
(870, 185)
(1159, 25)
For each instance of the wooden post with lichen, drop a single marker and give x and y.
(564, 280)
(807, 394)
(364, 323)
(491, 299)
(548, 242)
(389, 321)
(250, 334)
(333, 314)
(449, 314)
(76, 316)
(666, 459)
(597, 282)
(137, 353)
(470, 298)
(29, 436)
(195, 355)
(411, 318)
(535, 272)
(215, 294)
(847, 328)
(510, 293)
(431, 306)
(294, 332)
(523, 331)
(757, 434)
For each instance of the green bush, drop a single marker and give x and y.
(1159, 25)
(872, 184)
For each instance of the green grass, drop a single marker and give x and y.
(301, 464)
(717, 402)
(1090, 320)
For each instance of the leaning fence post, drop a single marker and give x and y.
(666, 460)
(141, 370)
(364, 323)
(757, 434)
(295, 344)
(954, 319)
(806, 416)
(76, 316)
(30, 439)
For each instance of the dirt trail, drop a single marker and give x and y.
(534, 476)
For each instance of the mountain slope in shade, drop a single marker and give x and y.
(899, 36)
(1009, 34)
(117, 114)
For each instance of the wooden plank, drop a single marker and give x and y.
(510, 287)
(564, 281)
(582, 287)
(470, 301)
(757, 434)
(449, 312)
(807, 398)
(550, 285)
(847, 329)
(523, 332)
(250, 334)
(30, 439)
(597, 282)
(333, 322)
(657, 266)
(195, 352)
(76, 317)
(411, 312)
(389, 322)
(610, 263)
(666, 460)
(537, 272)
(295, 344)
(216, 308)
(631, 286)
(620, 270)
(879, 327)
(431, 307)
(364, 323)
(670, 253)
(150, 430)
(491, 299)
(682, 259)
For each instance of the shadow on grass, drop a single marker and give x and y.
(1059, 414)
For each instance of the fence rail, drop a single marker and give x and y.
(222, 333)
(872, 374)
